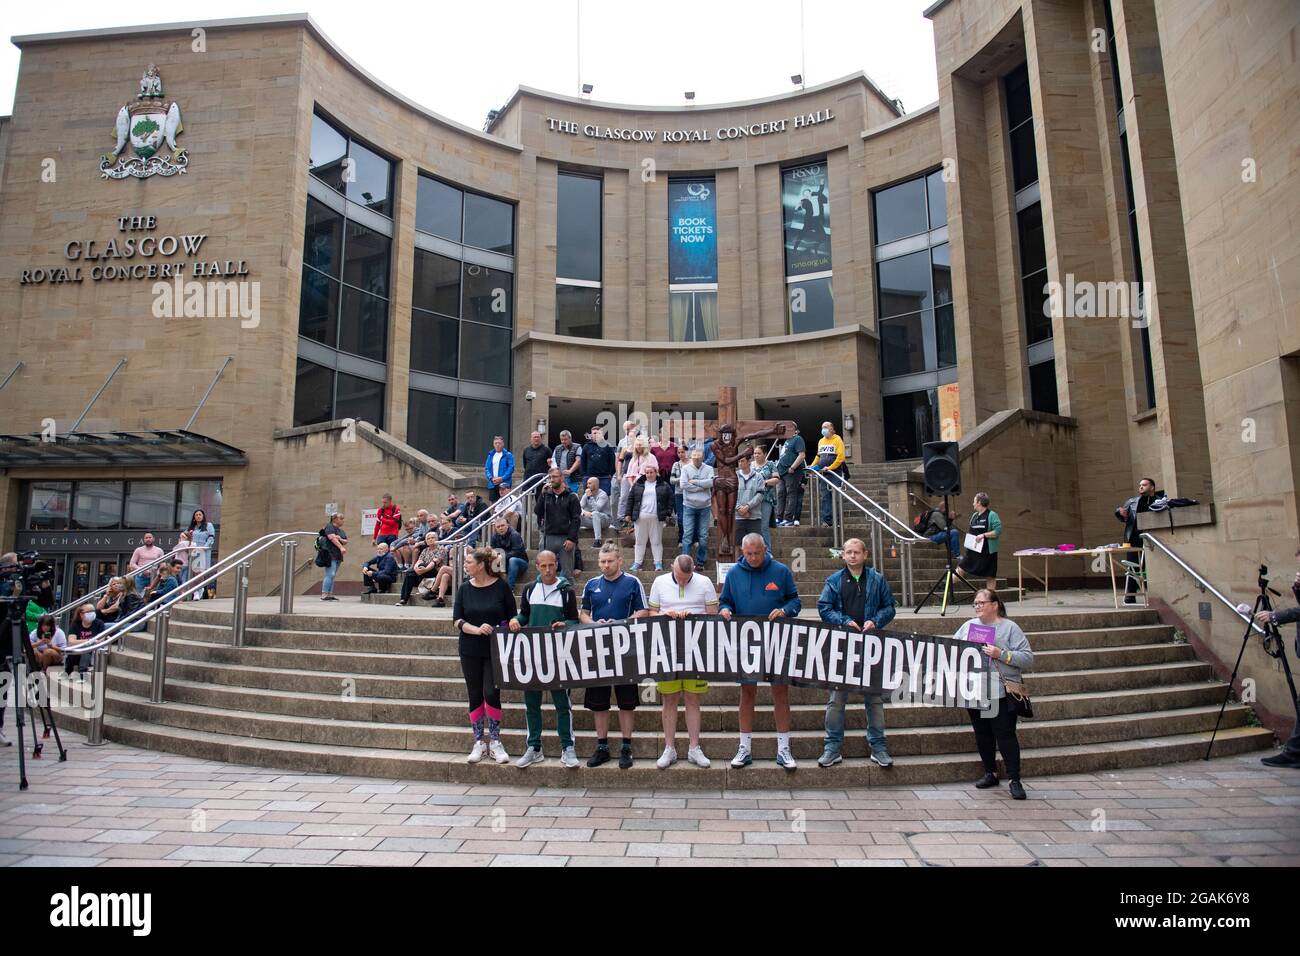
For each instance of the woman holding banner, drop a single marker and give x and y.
(1007, 647)
(484, 602)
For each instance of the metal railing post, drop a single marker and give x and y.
(240, 614)
(95, 726)
(527, 521)
(290, 547)
(457, 567)
(158, 676)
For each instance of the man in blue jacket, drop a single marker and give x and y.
(858, 598)
(499, 469)
(759, 586)
(379, 573)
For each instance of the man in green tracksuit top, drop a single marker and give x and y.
(549, 601)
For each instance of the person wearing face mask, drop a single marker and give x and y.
(85, 627)
(559, 517)
(829, 464)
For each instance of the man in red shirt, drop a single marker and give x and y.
(388, 523)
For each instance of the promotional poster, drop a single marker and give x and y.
(805, 201)
(692, 232)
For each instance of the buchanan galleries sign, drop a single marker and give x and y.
(119, 257)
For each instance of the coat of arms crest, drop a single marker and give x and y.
(149, 125)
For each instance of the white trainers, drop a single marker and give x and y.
(667, 758)
(530, 757)
(4, 741)
(743, 758)
(785, 759)
(696, 756)
(569, 757)
(498, 752)
(477, 753)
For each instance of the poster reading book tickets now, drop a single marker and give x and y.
(692, 232)
(805, 203)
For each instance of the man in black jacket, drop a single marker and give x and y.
(598, 460)
(1290, 755)
(558, 515)
(536, 456)
(1127, 513)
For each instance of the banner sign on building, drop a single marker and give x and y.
(692, 232)
(805, 204)
(708, 647)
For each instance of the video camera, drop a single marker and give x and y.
(25, 577)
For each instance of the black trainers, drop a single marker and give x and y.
(1016, 790)
(1283, 759)
(625, 757)
(600, 756)
(986, 781)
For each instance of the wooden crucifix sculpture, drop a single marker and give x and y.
(733, 441)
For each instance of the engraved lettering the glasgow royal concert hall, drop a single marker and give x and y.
(702, 135)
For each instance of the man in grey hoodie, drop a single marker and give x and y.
(697, 507)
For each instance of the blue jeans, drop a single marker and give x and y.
(606, 482)
(875, 704)
(327, 587)
(142, 582)
(695, 528)
(677, 506)
(952, 537)
(833, 477)
(514, 568)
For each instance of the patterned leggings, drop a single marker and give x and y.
(484, 695)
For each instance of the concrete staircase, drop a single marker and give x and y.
(382, 695)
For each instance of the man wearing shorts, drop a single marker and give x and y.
(759, 586)
(678, 593)
(614, 596)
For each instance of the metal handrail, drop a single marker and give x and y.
(906, 574)
(1200, 579)
(499, 507)
(889, 515)
(146, 612)
(864, 509)
(103, 588)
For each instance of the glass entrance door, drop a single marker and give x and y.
(87, 573)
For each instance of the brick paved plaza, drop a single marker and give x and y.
(120, 806)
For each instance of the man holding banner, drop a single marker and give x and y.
(676, 594)
(856, 597)
(760, 586)
(547, 602)
(614, 596)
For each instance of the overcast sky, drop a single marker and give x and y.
(463, 59)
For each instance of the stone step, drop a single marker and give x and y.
(804, 743)
(447, 643)
(448, 665)
(853, 772)
(332, 705)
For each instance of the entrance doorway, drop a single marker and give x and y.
(88, 572)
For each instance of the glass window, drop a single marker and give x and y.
(370, 180)
(431, 424)
(324, 238)
(490, 224)
(577, 229)
(1042, 387)
(487, 295)
(484, 353)
(360, 398)
(328, 149)
(693, 316)
(151, 504)
(476, 423)
(437, 208)
(937, 194)
(900, 211)
(1019, 106)
(98, 505)
(812, 307)
(902, 345)
(365, 262)
(942, 275)
(205, 494)
(313, 397)
(49, 505)
(577, 311)
(1033, 251)
(318, 309)
(904, 284)
(910, 422)
(806, 216)
(1038, 320)
(363, 325)
(945, 335)
(1024, 157)
(434, 343)
(436, 286)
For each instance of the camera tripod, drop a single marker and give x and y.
(22, 663)
(947, 577)
(1274, 646)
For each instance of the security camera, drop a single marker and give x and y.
(530, 395)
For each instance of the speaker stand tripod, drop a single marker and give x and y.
(948, 577)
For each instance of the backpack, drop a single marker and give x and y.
(323, 556)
